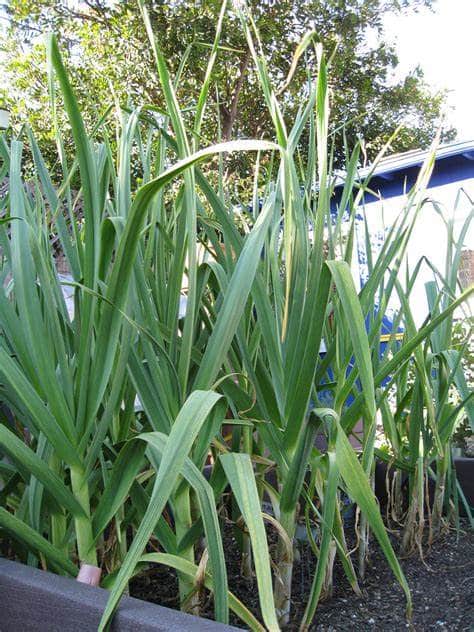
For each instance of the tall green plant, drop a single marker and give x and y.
(122, 405)
(420, 427)
(64, 376)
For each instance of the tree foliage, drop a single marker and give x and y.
(111, 60)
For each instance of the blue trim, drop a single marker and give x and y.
(390, 184)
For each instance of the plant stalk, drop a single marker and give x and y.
(83, 524)
(284, 574)
(189, 599)
(438, 501)
(246, 565)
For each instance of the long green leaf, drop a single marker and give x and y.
(117, 486)
(158, 442)
(28, 459)
(345, 287)
(21, 531)
(359, 490)
(183, 433)
(239, 472)
(35, 407)
(329, 508)
(186, 567)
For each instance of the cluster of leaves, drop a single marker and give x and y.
(88, 478)
(110, 61)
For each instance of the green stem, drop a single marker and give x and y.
(398, 496)
(83, 524)
(284, 576)
(183, 522)
(439, 494)
(363, 545)
(58, 532)
(58, 520)
(246, 565)
(327, 587)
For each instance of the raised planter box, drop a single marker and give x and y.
(36, 601)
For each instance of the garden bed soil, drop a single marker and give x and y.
(442, 589)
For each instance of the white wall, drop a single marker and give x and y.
(429, 236)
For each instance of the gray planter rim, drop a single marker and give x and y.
(32, 600)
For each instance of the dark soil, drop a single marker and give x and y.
(442, 590)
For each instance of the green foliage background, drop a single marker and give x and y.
(110, 61)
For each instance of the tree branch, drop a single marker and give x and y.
(229, 115)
